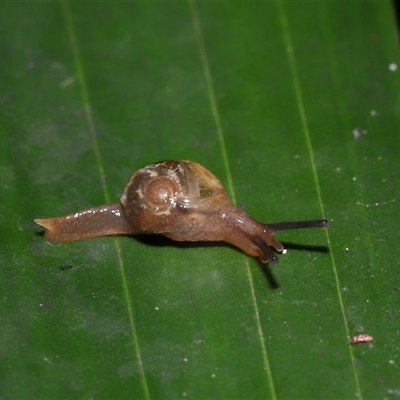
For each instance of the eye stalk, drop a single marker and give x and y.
(181, 200)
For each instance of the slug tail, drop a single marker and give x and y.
(98, 221)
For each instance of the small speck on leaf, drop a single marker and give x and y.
(66, 265)
(362, 338)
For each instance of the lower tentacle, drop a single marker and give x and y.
(266, 254)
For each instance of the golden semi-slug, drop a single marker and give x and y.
(178, 199)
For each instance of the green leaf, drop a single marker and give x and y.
(294, 106)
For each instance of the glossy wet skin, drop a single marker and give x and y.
(178, 199)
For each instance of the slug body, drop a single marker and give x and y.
(178, 199)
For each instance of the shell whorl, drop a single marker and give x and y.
(161, 189)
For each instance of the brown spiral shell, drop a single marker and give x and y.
(156, 194)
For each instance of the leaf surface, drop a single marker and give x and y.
(294, 106)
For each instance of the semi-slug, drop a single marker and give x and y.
(178, 199)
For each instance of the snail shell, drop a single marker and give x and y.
(178, 199)
(159, 197)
